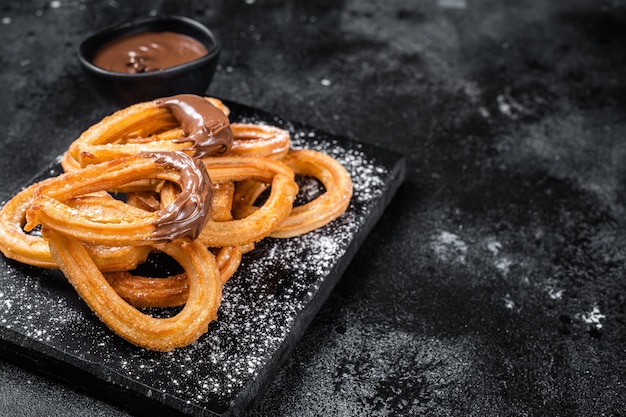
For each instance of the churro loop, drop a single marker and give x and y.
(179, 123)
(316, 213)
(185, 217)
(260, 223)
(160, 334)
(259, 140)
(32, 249)
(324, 208)
(145, 292)
(142, 119)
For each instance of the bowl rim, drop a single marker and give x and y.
(139, 25)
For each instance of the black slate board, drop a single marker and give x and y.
(266, 306)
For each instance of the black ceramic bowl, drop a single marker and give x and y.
(123, 89)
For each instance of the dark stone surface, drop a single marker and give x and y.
(494, 283)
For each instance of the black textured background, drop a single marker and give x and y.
(494, 283)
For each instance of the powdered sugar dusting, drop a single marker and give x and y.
(264, 305)
(370, 176)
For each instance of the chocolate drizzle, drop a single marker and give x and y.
(204, 124)
(188, 214)
(208, 128)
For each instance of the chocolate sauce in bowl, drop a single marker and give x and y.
(148, 51)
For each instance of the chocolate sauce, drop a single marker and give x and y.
(204, 124)
(148, 51)
(188, 214)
